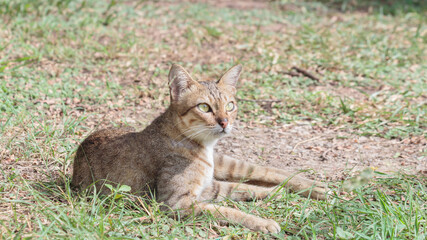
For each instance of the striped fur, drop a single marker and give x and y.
(174, 156)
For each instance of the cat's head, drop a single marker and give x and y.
(207, 109)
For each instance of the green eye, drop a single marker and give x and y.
(230, 106)
(204, 107)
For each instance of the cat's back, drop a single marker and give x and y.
(118, 154)
(105, 139)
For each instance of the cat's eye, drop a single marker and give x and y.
(204, 107)
(229, 107)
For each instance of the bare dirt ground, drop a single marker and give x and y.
(333, 154)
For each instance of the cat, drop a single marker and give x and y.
(174, 156)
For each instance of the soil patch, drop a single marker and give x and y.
(333, 154)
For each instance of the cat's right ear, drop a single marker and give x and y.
(231, 77)
(179, 82)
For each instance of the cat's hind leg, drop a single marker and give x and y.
(220, 190)
(230, 169)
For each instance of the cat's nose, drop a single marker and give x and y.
(223, 122)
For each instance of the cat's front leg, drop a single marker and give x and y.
(187, 203)
(230, 169)
(236, 216)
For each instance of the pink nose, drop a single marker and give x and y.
(223, 122)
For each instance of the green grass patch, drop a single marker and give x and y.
(392, 206)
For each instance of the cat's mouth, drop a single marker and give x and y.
(225, 131)
(221, 132)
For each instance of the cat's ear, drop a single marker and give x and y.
(231, 77)
(179, 82)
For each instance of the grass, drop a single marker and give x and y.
(388, 208)
(69, 67)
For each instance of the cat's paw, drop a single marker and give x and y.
(267, 226)
(320, 191)
(309, 188)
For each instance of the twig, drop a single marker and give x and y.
(305, 73)
(324, 157)
(292, 74)
(308, 140)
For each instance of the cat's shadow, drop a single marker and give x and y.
(56, 189)
(59, 190)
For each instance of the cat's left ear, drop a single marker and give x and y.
(231, 77)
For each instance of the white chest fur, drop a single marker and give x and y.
(210, 160)
(208, 169)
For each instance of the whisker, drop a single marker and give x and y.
(193, 135)
(188, 130)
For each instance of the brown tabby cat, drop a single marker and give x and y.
(174, 155)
